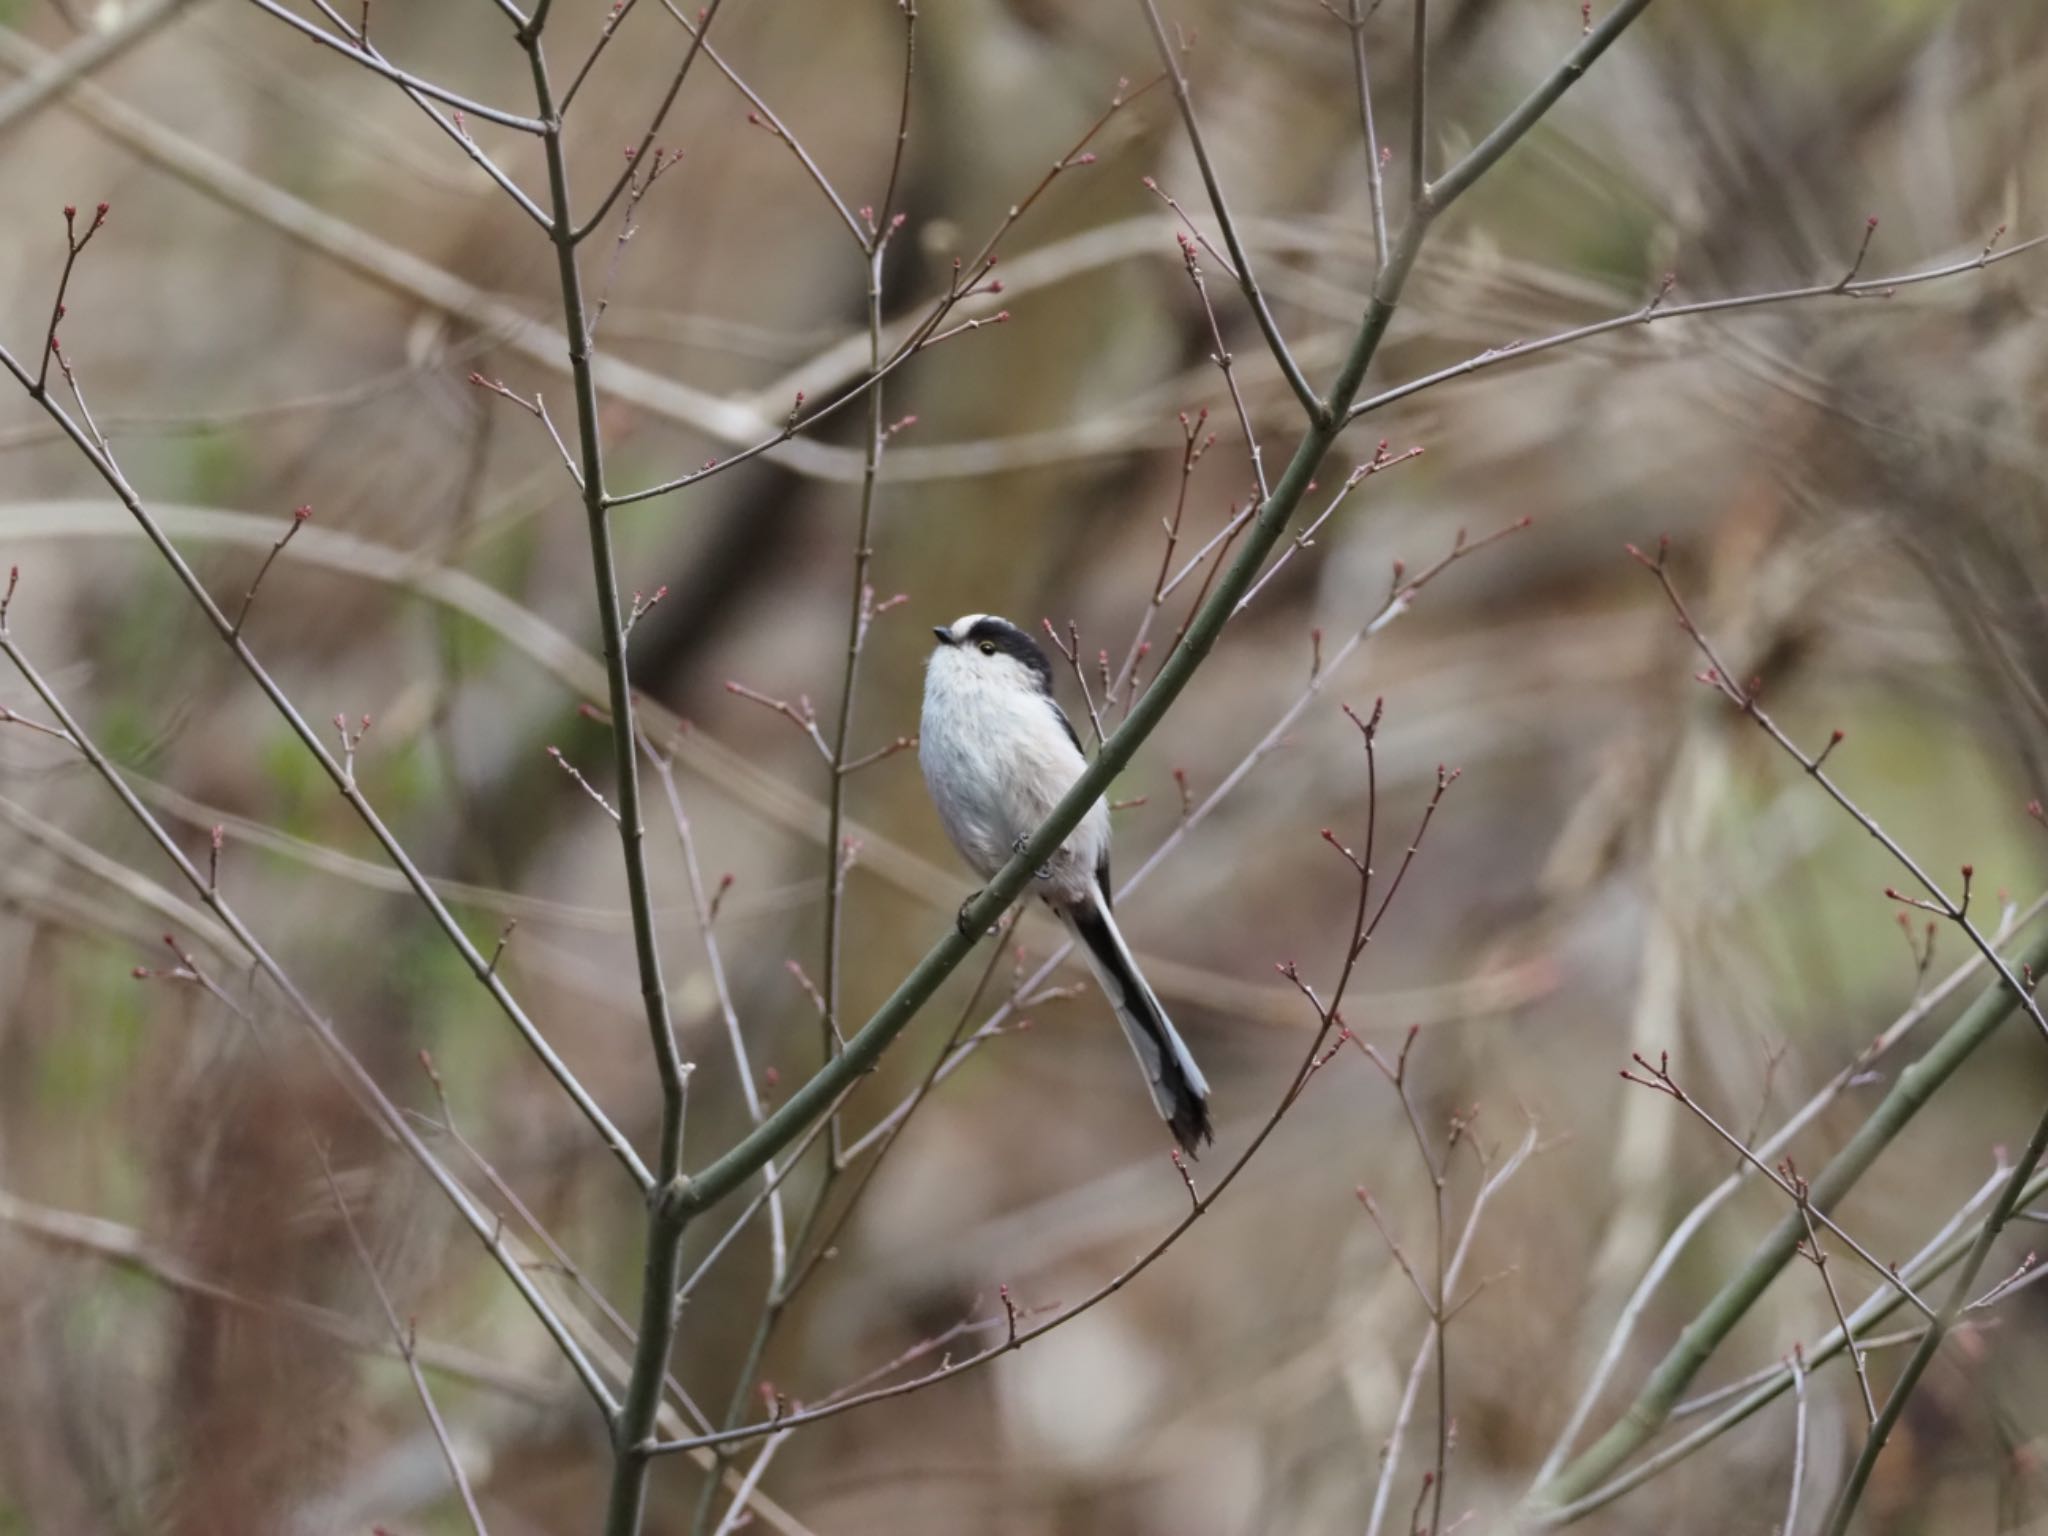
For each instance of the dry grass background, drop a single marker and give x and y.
(1853, 491)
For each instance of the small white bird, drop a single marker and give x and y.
(998, 754)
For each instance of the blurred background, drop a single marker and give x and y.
(296, 280)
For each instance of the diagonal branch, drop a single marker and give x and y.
(625, 179)
(455, 129)
(1681, 1236)
(1939, 1255)
(404, 1334)
(375, 63)
(1655, 312)
(358, 1079)
(1240, 258)
(84, 56)
(109, 471)
(775, 125)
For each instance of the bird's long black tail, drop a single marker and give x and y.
(1178, 1089)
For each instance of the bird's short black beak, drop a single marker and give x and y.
(945, 635)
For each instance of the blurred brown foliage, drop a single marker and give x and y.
(1853, 491)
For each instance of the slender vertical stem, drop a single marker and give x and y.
(1789, 1526)
(633, 1430)
(1443, 1360)
(735, 1413)
(743, 1066)
(1375, 183)
(782, 1283)
(780, 1294)
(887, 207)
(1418, 119)
(856, 635)
(1390, 1455)
(611, 620)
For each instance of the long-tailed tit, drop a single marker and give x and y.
(998, 754)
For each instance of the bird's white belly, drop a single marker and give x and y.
(996, 762)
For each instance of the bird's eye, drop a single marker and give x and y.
(988, 647)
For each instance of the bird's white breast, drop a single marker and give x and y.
(997, 759)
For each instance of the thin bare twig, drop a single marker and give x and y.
(625, 178)
(538, 409)
(1070, 649)
(1380, 460)
(1390, 1455)
(1222, 359)
(1745, 698)
(1819, 1257)
(299, 517)
(349, 48)
(74, 243)
(800, 714)
(454, 127)
(969, 278)
(1195, 442)
(1656, 312)
(763, 116)
(583, 784)
(638, 186)
(1240, 259)
(606, 31)
(10, 717)
(403, 1333)
(1660, 1080)
(1791, 1522)
(1694, 1220)
(885, 219)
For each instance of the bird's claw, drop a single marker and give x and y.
(1020, 844)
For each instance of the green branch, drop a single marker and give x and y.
(1915, 1086)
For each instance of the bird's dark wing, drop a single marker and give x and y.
(1066, 724)
(1102, 865)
